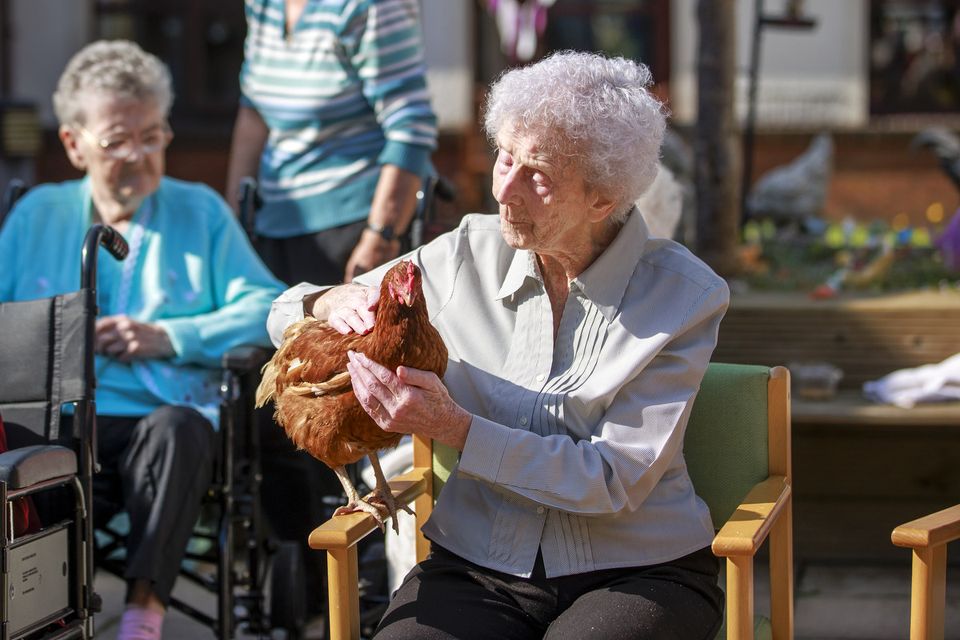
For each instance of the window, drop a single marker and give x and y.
(914, 56)
(636, 29)
(201, 42)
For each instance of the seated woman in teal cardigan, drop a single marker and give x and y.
(191, 288)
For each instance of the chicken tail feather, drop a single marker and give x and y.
(268, 384)
(337, 384)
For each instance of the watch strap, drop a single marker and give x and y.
(386, 231)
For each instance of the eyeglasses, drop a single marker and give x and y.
(124, 147)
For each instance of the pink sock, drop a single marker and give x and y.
(138, 623)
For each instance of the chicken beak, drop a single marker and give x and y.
(407, 296)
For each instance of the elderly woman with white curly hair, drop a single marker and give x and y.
(190, 289)
(577, 345)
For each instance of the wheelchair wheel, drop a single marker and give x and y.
(288, 586)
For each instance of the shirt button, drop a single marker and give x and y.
(523, 420)
(540, 510)
(540, 377)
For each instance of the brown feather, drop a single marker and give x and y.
(308, 381)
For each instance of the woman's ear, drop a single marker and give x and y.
(71, 146)
(600, 207)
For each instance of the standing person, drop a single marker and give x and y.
(336, 124)
(190, 289)
(577, 343)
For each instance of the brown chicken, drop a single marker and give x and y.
(308, 381)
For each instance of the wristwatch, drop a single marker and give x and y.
(385, 230)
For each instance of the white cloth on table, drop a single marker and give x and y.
(927, 383)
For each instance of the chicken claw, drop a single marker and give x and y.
(379, 505)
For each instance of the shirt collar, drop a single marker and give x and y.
(605, 281)
(522, 266)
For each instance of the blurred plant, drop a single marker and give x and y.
(850, 255)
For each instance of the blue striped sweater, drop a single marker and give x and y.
(342, 94)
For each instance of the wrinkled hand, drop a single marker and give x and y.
(408, 401)
(371, 252)
(349, 307)
(126, 339)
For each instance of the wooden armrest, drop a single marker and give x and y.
(929, 531)
(749, 525)
(340, 532)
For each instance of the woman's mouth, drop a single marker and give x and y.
(511, 219)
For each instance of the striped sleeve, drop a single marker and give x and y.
(384, 42)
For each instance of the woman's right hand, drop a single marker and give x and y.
(126, 339)
(347, 308)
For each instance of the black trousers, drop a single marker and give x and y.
(317, 258)
(156, 468)
(447, 597)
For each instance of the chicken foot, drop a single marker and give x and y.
(377, 503)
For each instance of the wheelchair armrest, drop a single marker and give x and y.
(26, 466)
(246, 358)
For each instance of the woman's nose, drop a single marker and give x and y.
(505, 190)
(136, 154)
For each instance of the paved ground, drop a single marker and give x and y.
(833, 602)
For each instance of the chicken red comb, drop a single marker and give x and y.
(411, 275)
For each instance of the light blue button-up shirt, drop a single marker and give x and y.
(576, 444)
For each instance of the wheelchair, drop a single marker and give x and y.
(256, 582)
(15, 189)
(46, 356)
(425, 225)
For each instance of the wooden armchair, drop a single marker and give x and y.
(928, 537)
(738, 451)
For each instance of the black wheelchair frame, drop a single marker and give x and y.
(234, 540)
(47, 577)
(232, 520)
(372, 575)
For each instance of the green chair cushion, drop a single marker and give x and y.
(729, 417)
(444, 459)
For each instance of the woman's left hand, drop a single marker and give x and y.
(126, 339)
(408, 401)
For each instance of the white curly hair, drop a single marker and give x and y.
(114, 68)
(595, 109)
